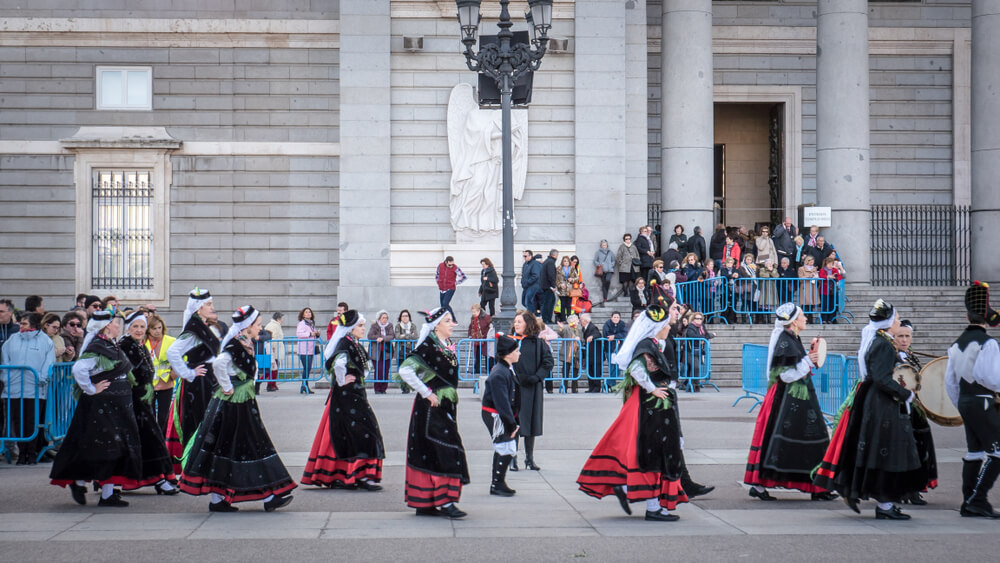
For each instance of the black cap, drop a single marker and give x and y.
(348, 318)
(505, 345)
(90, 300)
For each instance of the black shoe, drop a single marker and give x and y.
(342, 485)
(161, 491)
(915, 499)
(761, 495)
(530, 464)
(975, 511)
(277, 502)
(79, 493)
(825, 496)
(893, 513)
(428, 512)
(369, 486)
(852, 503)
(222, 506)
(501, 490)
(623, 499)
(452, 511)
(271, 389)
(659, 516)
(693, 489)
(113, 500)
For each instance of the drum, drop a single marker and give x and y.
(934, 397)
(819, 346)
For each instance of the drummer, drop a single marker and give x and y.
(971, 379)
(790, 437)
(902, 338)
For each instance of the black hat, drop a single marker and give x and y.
(90, 300)
(977, 302)
(102, 315)
(434, 315)
(200, 294)
(907, 323)
(348, 318)
(243, 313)
(881, 311)
(656, 313)
(505, 345)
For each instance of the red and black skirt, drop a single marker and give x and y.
(190, 402)
(615, 461)
(324, 467)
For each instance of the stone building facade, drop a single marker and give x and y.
(298, 154)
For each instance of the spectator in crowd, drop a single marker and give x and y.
(531, 273)
(489, 286)
(576, 288)
(830, 274)
(72, 334)
(691, 266)
(768, 275)
(656, 273)
(110, 302)
(627, 264)
(380, 336)
(696, 361)
(548, 285)
(813, 236)
(570, 332)
(604, 269)
(406, 329)
(34, 304)
(712, 290)
(710, 270)
(672, 254)
(332, 325)
(91, 305)
(732, 249)
(32, 348)
(532, 370)
(783, 239)
(647, 250)
(565, 276)
(674, 267)
(808, 290)
(821, 251)
(276, 348)
(717, 245)
(750, 289)
(479, 329)
(81, 302)
(591, 336)
(51, 325)
(158, 342)
(306, 332)
(799, 253)
(615, 329)
(696, 245)
(448, 277)
(786, 287)
(8, 325)
(680, 239)
(639, 296)
(765, 246)
(731, 274)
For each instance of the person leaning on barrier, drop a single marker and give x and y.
(595, 366)
(696, 329)
(498, 413)
(22, 389)
(531, 370)
(571, 335)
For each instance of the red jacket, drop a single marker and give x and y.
(446, 277)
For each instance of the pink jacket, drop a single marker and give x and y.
(305, 330)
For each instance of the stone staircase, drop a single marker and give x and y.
(937, 313)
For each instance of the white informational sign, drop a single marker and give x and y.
(819, 216)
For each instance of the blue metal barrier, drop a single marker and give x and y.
(709, 297)
(831, 384)
(288, 365)
(694, 362)
(754, 374)
(475, 358)
(597, 359)
(761, 296)
(59, 405)
(568, 361)
(17, 425)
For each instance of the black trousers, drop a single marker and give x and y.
(982, 423)
(488, 303)
(162, 403)
(23, 422)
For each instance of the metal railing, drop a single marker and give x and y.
(19, 422)
(290, 360)
(694, 362)
(756, 297)
(930, 239)
(709, 297)
(59, 405)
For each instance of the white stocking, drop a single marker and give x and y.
(215, 498)
(107, 490)
(885, 505)
(652, 505)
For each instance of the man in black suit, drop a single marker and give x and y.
(696, 244)
(784, 239)
(820, 251)
(548, 286)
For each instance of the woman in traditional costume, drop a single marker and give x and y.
(348, 449)
(102, 442)
(790, 436)
(436, 467)
(191, 356)
(640, 456)
(231, 457)
(157, 470)
(873, 453)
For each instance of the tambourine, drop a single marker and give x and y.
(819, 346)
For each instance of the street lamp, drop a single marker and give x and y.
(505, 63)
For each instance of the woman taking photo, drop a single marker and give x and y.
(489, 286)
(531, 370)
(306, 332)
(380, 341)
(158, 342)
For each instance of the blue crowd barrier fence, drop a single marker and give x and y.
(831, 384)
(475, 359)
(59, 405)
(597, 358)
(709, 297)
(386, 357)
(290, 360)
(761, 296)
(19, 421)
(754, 374)
(694, 362)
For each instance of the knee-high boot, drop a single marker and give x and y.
(499, 485)
(978, 504)
(529, 453)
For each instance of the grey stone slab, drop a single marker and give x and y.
(248, 518)
(26, 536)
(256, 533)
(119, 535)
(139, 522)
(444, 530)
(505, 532)
(802, 521)
(40, 521)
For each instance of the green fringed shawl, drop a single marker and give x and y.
(797, 389)
(243, 391)
(103, 364)
(628, 384)
(426, 374)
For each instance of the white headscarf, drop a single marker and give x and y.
(643, 328)
(867, 337)
(251, 316)
(792, 312)
(429, 326)
(338, 334)
(136, 316)
(97, 322)
(195, 301)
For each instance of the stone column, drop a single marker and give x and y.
(985, 216)
(688, 138)
(842, 130)
(636, 118)
(365, 151)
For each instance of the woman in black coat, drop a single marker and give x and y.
(531, 370)
(489, 286)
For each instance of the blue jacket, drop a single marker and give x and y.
(33, 349)
(530, 272)
(620, 330)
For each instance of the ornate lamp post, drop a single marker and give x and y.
(505, 63)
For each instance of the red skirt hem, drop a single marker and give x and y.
(323, 468)
(424, 490)
(197, 486)
(132, 484)
(752, 476)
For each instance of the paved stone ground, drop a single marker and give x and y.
(549, 519)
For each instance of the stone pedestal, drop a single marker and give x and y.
(842, 130)
(688, 134)
(985, 216)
